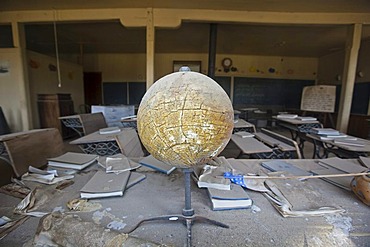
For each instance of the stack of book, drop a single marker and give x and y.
(302, 118)
(71, 160)
(328, 134)
(287, 116)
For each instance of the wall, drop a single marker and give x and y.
(131, 67)
(13, 90)
(43, 80)
(331, 66)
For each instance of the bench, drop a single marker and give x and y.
(286, 146)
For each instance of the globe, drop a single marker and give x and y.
(185, 119)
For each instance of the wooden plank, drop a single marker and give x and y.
(130, 144)
(250, 145)
(92, 122)
(33, 148)
(274, 142)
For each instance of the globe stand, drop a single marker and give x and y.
(187, 218)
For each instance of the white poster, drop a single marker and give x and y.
(320, 98)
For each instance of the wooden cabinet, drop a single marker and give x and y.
(53, 106)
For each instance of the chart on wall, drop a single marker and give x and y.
(319, 98)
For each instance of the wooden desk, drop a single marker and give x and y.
(85, 124)
(30, 148)
(252, 147)
(340, 150)
(298, 129)
(246, 111)
(242, 125)
(130, 122)
(126, 141)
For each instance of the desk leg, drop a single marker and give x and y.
(316, 151)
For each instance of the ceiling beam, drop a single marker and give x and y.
(171, 18)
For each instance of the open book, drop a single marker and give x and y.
(71, 160)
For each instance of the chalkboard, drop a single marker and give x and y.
(224, 82)
(115, 93)
(264, 91)
(360, 98)
(136, 92)
(319, 98)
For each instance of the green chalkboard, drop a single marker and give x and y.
(264, 91)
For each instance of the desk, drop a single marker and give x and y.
(246, 111)
(30, 148)
(340, 150)
(252, 147)
(129, 122)
(242, 125)
(298, 129)
(86, 123)
(126, 141)
(262, 225)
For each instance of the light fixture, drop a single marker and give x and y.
(57, 50)
(360, 74)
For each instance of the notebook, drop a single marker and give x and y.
(73, 160)
(235, 198)
(104, 184)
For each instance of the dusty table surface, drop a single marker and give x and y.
(262, 225)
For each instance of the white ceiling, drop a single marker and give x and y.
(267, 40)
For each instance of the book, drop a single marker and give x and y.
(213, 177)
(288, 116)
(235, 198)
(244, 134)
(301, 118)
(279, 165)
(109, 130)
(104, 184)
(155, 164)
(331, 137)
(135, 178)
(356, 143)
(71, 160)
(117, 163)
(324, 131)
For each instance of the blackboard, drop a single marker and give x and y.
(224, 82)
(136, 92)
(360, 98)
(115, 93)
(264, 91)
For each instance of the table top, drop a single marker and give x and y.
(241, 123)
(261, 225)
(250, 145)
(97, 137)
(351, 148)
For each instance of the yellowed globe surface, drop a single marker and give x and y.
(185, 119)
